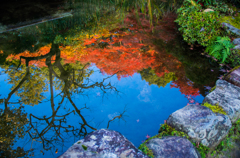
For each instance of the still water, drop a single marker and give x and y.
(58, 83)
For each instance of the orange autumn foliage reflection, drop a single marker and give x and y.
(125, 52)
(40, 63)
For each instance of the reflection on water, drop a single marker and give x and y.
(58, 85)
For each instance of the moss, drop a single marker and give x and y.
(212, 89)
(227, 75)
(234, 22)
(215, 108)
(84, 147)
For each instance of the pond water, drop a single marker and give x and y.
(59, 84)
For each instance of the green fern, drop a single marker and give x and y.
(220, 48)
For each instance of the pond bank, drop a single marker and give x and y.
(201, 125)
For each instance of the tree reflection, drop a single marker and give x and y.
(68, 80)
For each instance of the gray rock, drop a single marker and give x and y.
(232, 28)
(227, 96)
(103, 143)
(201, 124)
(237, 47)
(236, 41)
(172, 147)
(234, 77)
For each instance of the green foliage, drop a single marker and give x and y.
(234, 57)
(215, 108)
(205, 2)
(221, 7)
(220, 48)
(233, 21)
(198, 26)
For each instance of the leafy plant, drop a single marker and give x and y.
(234, 57)
(221, 7)
(220, 48)
(205, 2)
(198, 26)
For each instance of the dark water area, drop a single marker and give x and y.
(19, 11)
(61, 80)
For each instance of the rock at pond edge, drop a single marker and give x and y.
(172, 147)
(234, 77)
(201, 124)
(227, 96)
(103, 143)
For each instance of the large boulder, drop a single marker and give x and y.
(227, 96)
(103, 143)
(172, 147)
(201, 124)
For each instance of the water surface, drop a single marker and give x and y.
(59, 84)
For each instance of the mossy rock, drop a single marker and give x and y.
(166, 130)
(234, 21)
(215, 108)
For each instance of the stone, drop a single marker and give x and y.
(201, 124)
(236, 41)
(208, 10)
(231, 28)
(234, 77)
(103, 143)
(172, 147)
(227, 96)
(237, 47)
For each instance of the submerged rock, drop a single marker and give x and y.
(172, 147)
(103, 143)
(227, 96)
(201, 124)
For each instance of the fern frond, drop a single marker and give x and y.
(225, 55)
(215, 48)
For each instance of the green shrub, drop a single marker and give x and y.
(221, 7)
(234, 58)
(197, 26)
(220, 48)
(205, 2)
